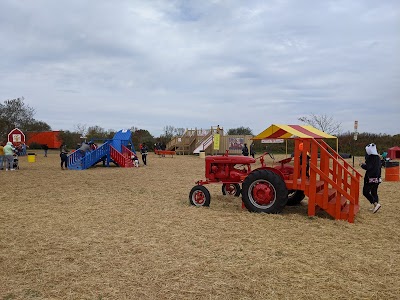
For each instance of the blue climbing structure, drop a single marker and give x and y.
(115, 150)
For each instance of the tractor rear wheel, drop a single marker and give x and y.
(199, 196)
(231, 189)
(295, 197)
(264, 191)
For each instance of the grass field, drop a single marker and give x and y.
(114, 233)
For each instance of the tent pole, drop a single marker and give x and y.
(337, 145)
(286, 147)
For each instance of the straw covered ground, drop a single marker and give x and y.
(114, 233)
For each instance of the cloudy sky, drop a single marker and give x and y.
(148, 64)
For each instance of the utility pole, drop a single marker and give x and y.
(355, 138)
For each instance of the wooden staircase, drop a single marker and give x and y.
(333, 185)
(191, 139)
(203, 143)
(184, 144)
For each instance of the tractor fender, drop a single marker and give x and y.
(286, 170)
(276, 171)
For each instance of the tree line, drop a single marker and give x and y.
(16, 113)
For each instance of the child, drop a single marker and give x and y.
(301, 146)
(135, 161)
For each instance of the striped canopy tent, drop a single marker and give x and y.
(278, 131)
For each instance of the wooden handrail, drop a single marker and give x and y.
(331, 169)
(203, 140)
(338, 156)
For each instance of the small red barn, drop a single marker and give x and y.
(394, 152)
(51, 138)
(16, 136)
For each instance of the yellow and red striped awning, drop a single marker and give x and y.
(277, 131)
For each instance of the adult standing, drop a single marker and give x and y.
(84, 148)
(372, 178)
(144, 151)
(23, 147)
(1, 155)
(245, 150)
(163, 148)
(64, 156)
(252, 152)
(45, 148)
(9, 156)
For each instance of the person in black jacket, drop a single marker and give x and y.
(144, 151)
(245, 150)
(252, 152)
(64, 156)
(45, 148)
(372, 178)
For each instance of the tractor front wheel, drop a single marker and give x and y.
(199, 196)
(231, 189)
(264, 191)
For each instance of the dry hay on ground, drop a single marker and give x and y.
(114, 233)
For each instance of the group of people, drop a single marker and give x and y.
(81, 148)
(372, 164)
(7, 153)
(143, 151)
(246, 152)
(91, 146)
(160, 146)
(20, 149)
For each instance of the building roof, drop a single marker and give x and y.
(396, 148)
(279, 131)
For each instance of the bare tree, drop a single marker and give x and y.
(323, 122)
(81, 128)
(169, 132)
(133, 129)
(179, 131)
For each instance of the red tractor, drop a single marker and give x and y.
(263, 189)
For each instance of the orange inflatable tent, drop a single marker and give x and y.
(51, 138)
